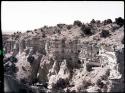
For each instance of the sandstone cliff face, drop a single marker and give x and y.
(70, 62)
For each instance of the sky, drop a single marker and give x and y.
(30, 15)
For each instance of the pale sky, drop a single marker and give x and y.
(30, 15)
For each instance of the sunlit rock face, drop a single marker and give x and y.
(65, 59)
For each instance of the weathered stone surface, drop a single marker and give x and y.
(67, 61)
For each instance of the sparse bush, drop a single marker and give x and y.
(10, 67)
(104, 22)
(100, 84)
(14, 68)
(60, 25)
(78, 23)
(41, 30)
(59, 31)
(43, 35)
(93, 21)
(79, 62)
(119, 21)
(83, 26)
(61, 83)
(35, 29)
(45, 27)
(86, 30)
(89, 67)
(30, 59)
(28, 31)
(104, 33)
(69, 27)
(23, 81)
(108, 21)
(13, 59)
(98, 22)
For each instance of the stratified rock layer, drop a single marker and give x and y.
(69, 60)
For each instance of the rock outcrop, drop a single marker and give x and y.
(70, 58)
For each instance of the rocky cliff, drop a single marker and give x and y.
(70, 58)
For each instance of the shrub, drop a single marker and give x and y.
(23, 80)
(69, 27)
(41, 30)
(104, 33)
(78, 23)
(60, 25)
(30, 59)
(43, 35)
(86, 30)
(13, 59)
(119, 21)
(59, 31)
(98, 22)
(93, 21)
(82, 27)
(100, 84)
(28, 31)
(45, 26)
(14, 68)
(79, 62)
(108, 21)
(61, 83)
(104, 22)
